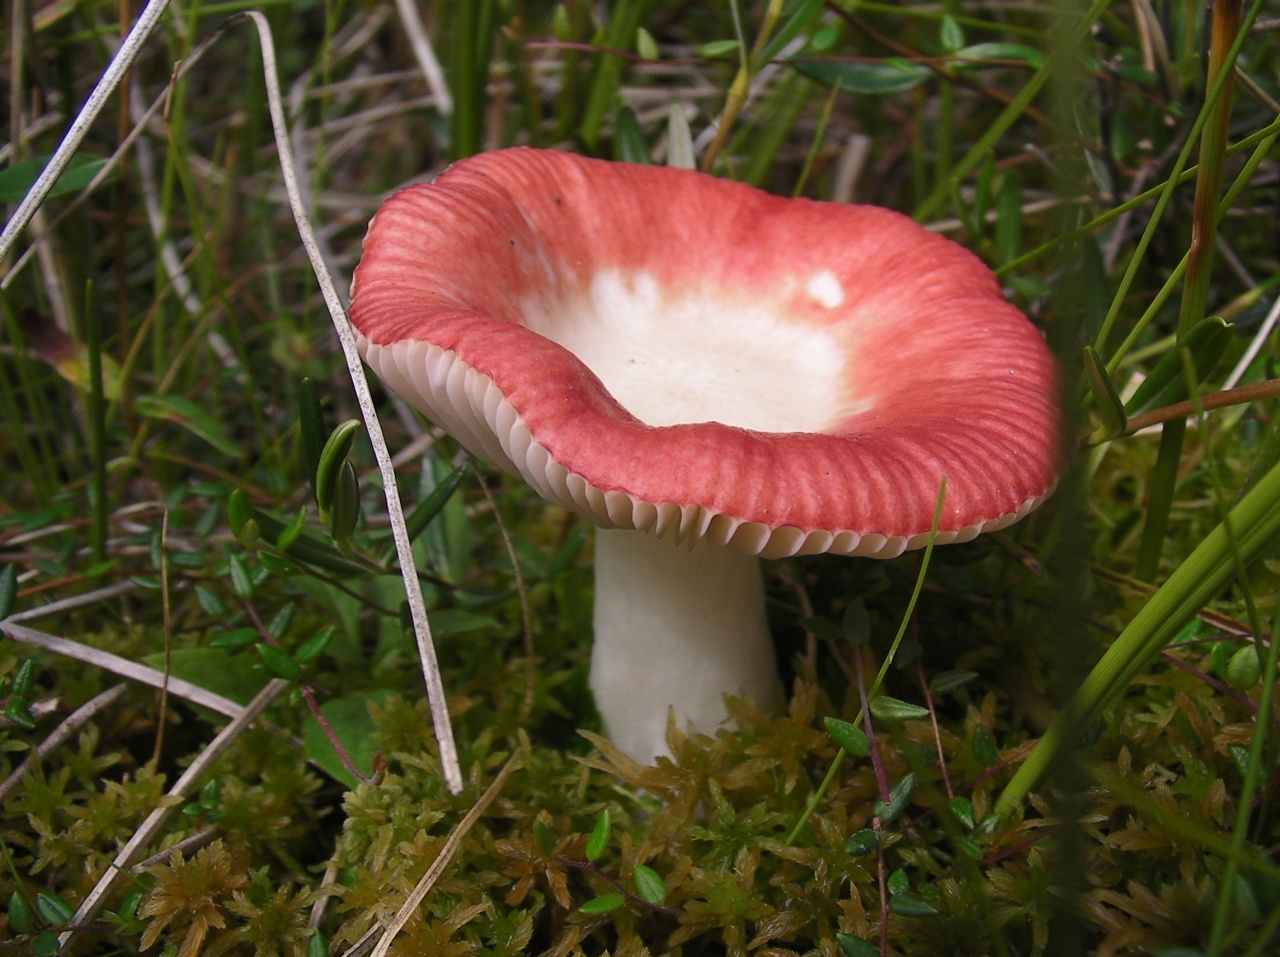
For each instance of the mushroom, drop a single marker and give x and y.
(711, 375)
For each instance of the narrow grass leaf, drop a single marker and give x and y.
(311, 426)
(8, 589)
(190, 415)
(1166, 384)
(436, 499)
(1105, 397)
(1206, 571)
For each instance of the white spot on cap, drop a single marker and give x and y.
(826, 289)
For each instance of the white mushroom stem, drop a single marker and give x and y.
(675, 628)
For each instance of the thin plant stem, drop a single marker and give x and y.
(1204, 226)
(884, 669)
(404, 548)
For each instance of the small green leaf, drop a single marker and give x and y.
(802, 13)
(856, 947)
(289, 534)
(899, 795)
(194, 417)
(849, 736)
(18, 179)
(1239, 757)
(855, 626)
(235, 638)
(46, 945)
(718, 48)
(911, 905)
(909, 652)
(649, 885)
(210, 792)
(962, 810)
(603, 904)
(8, 589)
(19, 913)
(346, 503)
(24, 680)
(984, 747)
(314, 647)
(862, 842)
(241, 584)
(646, 45)
(238, 511)
(1105, 396)
(250, 532)
(628, 139)
(599, 838)
(987, 826)
(680, 153)
(1244, 670)
(898, 882)
(332, 456)
(277, 566)
(54, 908)
(978, 53)
(543, 839)
(128, 908)
(18, 711)
(870, 79)
(950, 34)
(824, 40)
(561, 25)
(969, 848)
(436, 499)
(944, 682)
(824, 629)
(892, 709)
(280, 623)
(317, 944)
(279, 662)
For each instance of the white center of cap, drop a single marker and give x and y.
(700, 357)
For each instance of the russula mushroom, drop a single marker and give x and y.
(710, 374)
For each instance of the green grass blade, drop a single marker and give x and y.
(1256, 523)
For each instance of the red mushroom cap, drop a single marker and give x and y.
(865, 358)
